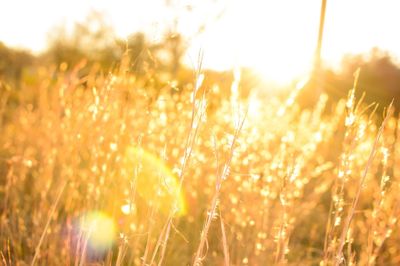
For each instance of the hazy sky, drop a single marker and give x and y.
(277, 38)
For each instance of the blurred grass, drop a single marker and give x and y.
(275, 190)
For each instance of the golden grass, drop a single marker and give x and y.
(247, 182)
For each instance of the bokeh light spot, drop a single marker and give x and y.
(155, 181)
(100, 230)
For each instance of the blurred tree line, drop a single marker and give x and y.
(95, 42)
(379, 80)
(13, 62)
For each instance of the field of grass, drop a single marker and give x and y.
(109, 170)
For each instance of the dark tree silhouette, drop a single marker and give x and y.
(13, 62)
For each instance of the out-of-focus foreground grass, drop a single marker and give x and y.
(105, 170)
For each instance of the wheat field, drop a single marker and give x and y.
(107, 169)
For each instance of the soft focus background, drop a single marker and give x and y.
(199, 132)
(277, 41)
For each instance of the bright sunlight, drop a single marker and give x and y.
(213, 132)
(276, 38)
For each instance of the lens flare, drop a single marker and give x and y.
(99, 229)
(155, 182)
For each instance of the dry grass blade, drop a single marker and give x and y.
(52, 211)
(224, 241)
(158, 158)
(212, 211)
(352, 209)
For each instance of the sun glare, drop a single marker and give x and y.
(155, 182)
(99, 229)
(275, 38)
(256, 150)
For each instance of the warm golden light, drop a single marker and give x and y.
(99, 229)
(276, 38)
(149, 164)
(155, 182)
